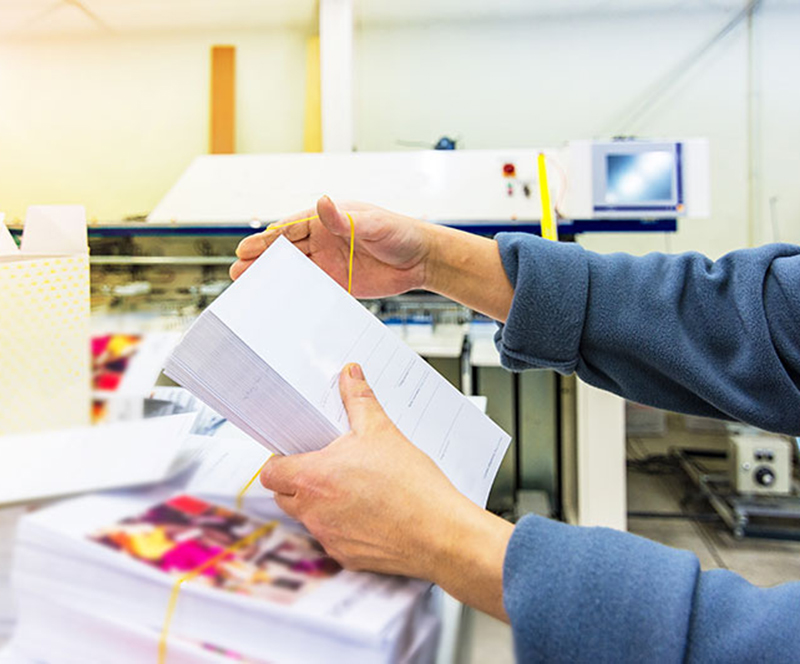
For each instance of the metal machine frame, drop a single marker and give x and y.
(776, 517)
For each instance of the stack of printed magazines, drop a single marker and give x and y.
(94, 577)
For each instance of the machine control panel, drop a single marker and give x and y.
(760, 464)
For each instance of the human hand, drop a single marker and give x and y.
(376, 502)
(390, 255)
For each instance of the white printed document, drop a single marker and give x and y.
(268, 352)
(68, 461)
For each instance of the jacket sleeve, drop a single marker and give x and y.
(680, 332)
(597, 595)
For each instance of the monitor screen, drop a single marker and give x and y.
(646, 177)
(636, 177)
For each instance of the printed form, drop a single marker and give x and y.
(307, 328)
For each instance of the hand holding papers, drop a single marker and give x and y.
(268, 352)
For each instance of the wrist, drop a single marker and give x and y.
(431, 272)
(468, 555)
(440, 266)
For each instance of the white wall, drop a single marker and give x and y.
(542, 81)
(780, 127)
(112, 121)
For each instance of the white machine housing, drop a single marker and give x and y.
(586, 163)
(446, 186)
(760, 464)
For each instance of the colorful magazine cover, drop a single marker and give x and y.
(111, 354)
(178, 536)
(111, 357)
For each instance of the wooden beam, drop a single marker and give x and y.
(222, 111)
(312, 131)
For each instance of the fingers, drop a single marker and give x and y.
(238, 268)
(304, 246)
(362, 407)
(335, 221)
(288, 504)
(279, 474)
(293, 233)
(254, 245)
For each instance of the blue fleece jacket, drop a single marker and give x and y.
(680, 332)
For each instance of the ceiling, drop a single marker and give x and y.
(45, 17)
(73, 17)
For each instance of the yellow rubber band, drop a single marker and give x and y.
(352, 242)
(352, 248)
(176, 587)
(289, 223)
(240, 495)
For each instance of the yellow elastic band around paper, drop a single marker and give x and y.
(173, 598)
(266, 528)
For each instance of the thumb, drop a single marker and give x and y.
(359, 400)
(279, 473)
(336, 222)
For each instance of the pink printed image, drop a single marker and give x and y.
(185, 532)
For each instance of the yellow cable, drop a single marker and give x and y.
(549, 228)
(176, 587)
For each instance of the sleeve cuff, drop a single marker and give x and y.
(595, 594)
(545, 322)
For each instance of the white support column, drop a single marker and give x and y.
(602, 485)
(336, 72)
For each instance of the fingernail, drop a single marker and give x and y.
(355, 371)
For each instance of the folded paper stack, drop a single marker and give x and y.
(267, 355)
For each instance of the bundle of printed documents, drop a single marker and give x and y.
(125, 366)
(268, 352)
(94, 576)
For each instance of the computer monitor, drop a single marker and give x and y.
(637, 178)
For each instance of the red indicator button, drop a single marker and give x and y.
(509, 171)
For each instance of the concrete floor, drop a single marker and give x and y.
(763, 562)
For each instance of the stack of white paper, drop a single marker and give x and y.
(81, 459)
(267, 355)
(8, 526)
(93, 576)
